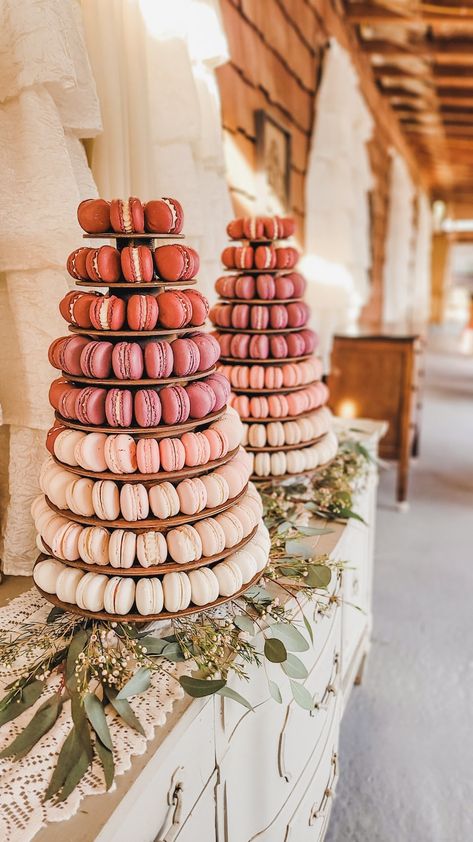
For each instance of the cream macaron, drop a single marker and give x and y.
(90, 592)
(122, 548)
(93, 545)
(79, 496)
(134, 502)
(217, 490)
(119, 595)
(232, 528)
(184, 544)
(65, 541)
(46, 573)
(211, 535)
(65, 445)
(149, 596)
(151, 548)
(192, 496)
(66, 585)
(245, 560)
(275, 434)
(89, 452)
(164, 500)
(204, 586)
(177, 591)
(230, 578)
(106, 499)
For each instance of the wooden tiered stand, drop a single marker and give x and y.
(123, 289)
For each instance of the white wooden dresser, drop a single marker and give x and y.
(219, 773)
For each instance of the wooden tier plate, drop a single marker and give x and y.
(237, 271)
(270, 361)
(151, 523)
(163, 431)
(161, 476)
(261, 241)
(137, 571)
(139, 618)
(282, 418)
(284, 447)
(308, 473)
(281, 391)
(104, 334)
(158, 282)
(270, 330)
(223, 300)
(145, 382)
(114, 235)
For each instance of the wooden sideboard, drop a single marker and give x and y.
(378, 374)
(216, 772)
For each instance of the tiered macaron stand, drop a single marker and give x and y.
(283, 390)
(124, 289)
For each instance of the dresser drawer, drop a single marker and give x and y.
(175, 776)
(271, 747)
(200, 825)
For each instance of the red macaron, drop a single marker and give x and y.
(176, 262)
(286, 258)
(175, 309)
(127, 216)
(200, 307)
(94, 216)
(76, 264)
(265, 257)
(142, 312)
(164, 216)
(75, 307)
(90, 405)
(65, 353)
(137, 264)
(107, 312)
(103, 264)
(159, 359)
(175, 404)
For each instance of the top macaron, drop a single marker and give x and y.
(131, 216)
(261, 228)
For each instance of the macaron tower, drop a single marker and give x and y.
(147, 511)
(268, 353)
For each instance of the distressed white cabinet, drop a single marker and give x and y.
(219, 773)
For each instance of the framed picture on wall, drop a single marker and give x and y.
(273, 165)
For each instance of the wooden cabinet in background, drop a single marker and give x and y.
(377, 374)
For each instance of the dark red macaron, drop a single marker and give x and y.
(164, 216)
(107, 312)
(199, 305)
(76, 264)
(103, 264)
(94, 216)
(75, 307)
(175, 309)
(127, 216)
(142, 312)
(175, 404)
(137, 264)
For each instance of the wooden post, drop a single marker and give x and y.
(440, 272)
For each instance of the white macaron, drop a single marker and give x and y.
(46, 573)
(177, 591)
(229, 576)
(66, 585)
(204, 586)
(245, 560)
(151, 548)
(90, 592)
(149, 596)
(119, 595)
(122, 548)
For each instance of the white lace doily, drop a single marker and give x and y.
(23, 783)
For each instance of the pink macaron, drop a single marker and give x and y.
(239, 345)
(120, 454)
(147, 456)
(239, 315)
(172, 454)
(65, 353)
(245, 287)
(199, 305)
(221, 389)
(127, 361)
(90, 405)
(197, 449)
(159, 359)
(209, 349)
(310, 339)
(259, 347)
(96, 359)
(259, 317)
(278, 316)
(217, 443)
(147, 407)
(119, 407)
(297, 313)
(175, 404)
(265, 287)
(279, 347)
(186, 357)
(284, 287)
(295, 345)
(202, 399)
(142, 312)
(298, 283)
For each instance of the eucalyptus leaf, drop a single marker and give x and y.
(200, 687)
(106, 759)
(274, 650)
(124, 709)
(309, 628)
(53, 615)
(154, 645)
(96, 716)
(275, 691)
(138, 683)
(301, 695)
(288, 571)
(314, 530)
(283, 527)
(300, 548)
(40, 724)
(318, 576)
(237, 697)
(293, 640)
(76, 646)
(258, 594)
(173, 652)
(294, 668)
(241, 621)
(79, 719)
(71, 747)
(29, 696)
(82, 763)
(349, 513)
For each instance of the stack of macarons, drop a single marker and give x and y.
(261, 346)
(150, 596)
(120, 453)
(159, 359)
(267, 350)
(165, 483)
(281, 405)
(265, 287)
(281, 433)
(143, 408)
(261, 377)
(243, 316)
(171, 309)
(297, 461)
(111, 500)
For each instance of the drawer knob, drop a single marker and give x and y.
(172, 823)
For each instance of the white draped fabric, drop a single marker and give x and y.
(154, 67)
(47, 103)
(420, 299)
(338, 182)
(399, 261)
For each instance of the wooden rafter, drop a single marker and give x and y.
(370, 14)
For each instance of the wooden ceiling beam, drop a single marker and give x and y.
(455, 50)
(370, 14)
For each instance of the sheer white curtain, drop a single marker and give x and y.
(47, 103)
(399, 260)
(154, 67)
(338, 181)
(420, 297)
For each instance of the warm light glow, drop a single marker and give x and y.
(240, 172)
(347, 409)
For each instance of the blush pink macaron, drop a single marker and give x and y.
(148, 410)
(159, 359)
(119, 407)
(127, 361)
(175, 404)
(96, 359)
(172, 454)
(147, 456)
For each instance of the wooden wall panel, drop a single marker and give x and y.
(276, 49)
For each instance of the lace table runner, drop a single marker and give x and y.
(23, 783)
